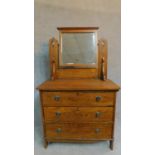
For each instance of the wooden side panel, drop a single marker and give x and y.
(114, 115)
(79, 131)
(43, 122)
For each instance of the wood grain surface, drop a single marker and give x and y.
(85, 131)
(78, 114)
(78, 98)
(79, 84)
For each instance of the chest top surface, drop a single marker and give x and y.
(78, 84)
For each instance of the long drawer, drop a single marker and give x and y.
(85, 131)
(78, 114)
(78, 98)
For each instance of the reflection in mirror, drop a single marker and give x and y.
(79, 48)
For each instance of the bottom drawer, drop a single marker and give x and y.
(85, 131)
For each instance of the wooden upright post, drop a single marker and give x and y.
(53, 52)
(102, 59)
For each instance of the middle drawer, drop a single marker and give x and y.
(78, 114)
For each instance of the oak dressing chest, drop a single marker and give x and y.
(78, 102)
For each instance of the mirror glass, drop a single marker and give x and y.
(78, 48)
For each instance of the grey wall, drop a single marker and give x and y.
(50, 14)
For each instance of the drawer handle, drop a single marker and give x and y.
(98, 98)
(97, 130)
(57, 98)
(98, 114)
(58, 130)
(58, 113)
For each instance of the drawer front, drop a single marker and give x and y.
(78, 98)
(79, 131)
(78, 114)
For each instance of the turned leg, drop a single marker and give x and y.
(45, 143)
(111, 144)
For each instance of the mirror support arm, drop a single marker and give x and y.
(53, 69)
(103, 75)
(53, 47)
(103, 59)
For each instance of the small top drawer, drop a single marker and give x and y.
(78, 98)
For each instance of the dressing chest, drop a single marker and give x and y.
(78, 102)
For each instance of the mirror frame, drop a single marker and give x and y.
(77, 30)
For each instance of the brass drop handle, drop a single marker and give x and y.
(57, 98)
(97, 130)
(58, 130)
(98, 114)
(58, 113)
(98, 98)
